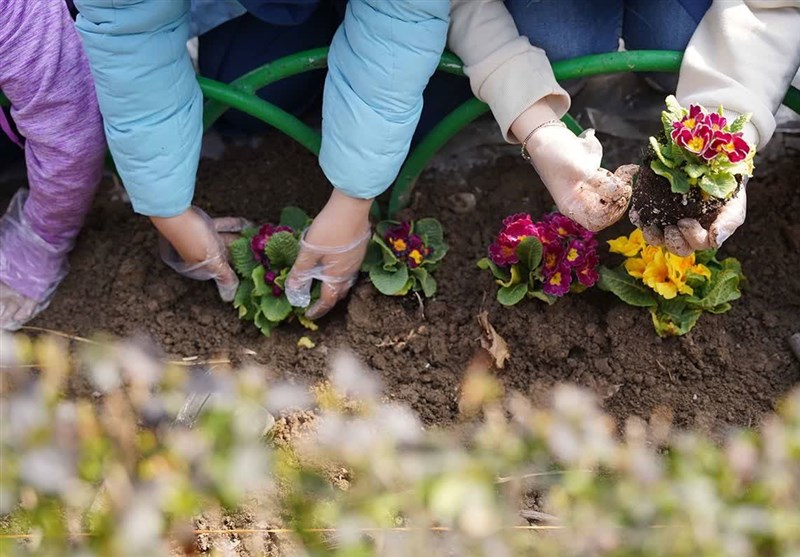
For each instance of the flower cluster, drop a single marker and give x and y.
(566, 248)
(402, 255)
(701, 149)
(708, 135)
(684, 287)
(664, 272)
(258, 244)
(262, 257)
(406, 245)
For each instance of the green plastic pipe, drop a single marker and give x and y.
(263, 110)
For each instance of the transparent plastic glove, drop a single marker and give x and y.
(689, 236)
(30, 267)
(203, 241)
(336, 267)
(570, 168)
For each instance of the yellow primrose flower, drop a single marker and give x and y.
(657, 275)
(629, 246)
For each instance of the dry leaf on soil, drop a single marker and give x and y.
(492, 342)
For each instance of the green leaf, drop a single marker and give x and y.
(438, 251)
(265, 325)
(373, 257)
(511, 295)
(425, 281)
(243, 300)
(733, 264)
(282, 250)
(703, 257)
(540, 295)
(389, 258)
(430, 230)
(724, 288)
(294, 217)
(249, 232)
(626, 288)
(276, 309)
(658, 151)
(388, 282)
(719, 185)
(695, 170)
(529, 252)
(383, 227)
(242, 257)
(260, 287)
(678, 180)
(674, 317)
(498, 272)
(740, 121)
(722, 308)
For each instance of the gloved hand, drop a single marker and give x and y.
(570, 168)
(195, 245)
(31, 268)
(689, 236)
(331, 251)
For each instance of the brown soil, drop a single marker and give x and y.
(657, 205)
(728, 371)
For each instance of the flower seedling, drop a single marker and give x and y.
(539, 259)
(263, 257)
(676, 289)
(693, 169)
(403, 255)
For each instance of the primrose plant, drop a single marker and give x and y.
(403, 256)
(544, 259)
(263, 257)
(676, 290)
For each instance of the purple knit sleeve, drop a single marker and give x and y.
(45, 75)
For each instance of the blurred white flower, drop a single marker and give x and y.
(47, 469)
(140, 530)
(285, 396)
(105, 375)
(352, 379)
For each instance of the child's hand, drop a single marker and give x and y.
(194, 245)
(331, 251)
(570, 168)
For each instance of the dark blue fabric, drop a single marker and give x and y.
(281, 12)
(245, 43)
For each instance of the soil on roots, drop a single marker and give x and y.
(729, 370)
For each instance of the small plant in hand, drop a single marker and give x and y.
(263, 257)
(402, 256)
(676, 289)
(693, 169)
(544, 260)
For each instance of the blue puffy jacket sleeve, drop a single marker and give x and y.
(379, 64)
(148, 95)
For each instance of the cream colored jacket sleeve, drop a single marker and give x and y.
(743, 56)
(504, 69)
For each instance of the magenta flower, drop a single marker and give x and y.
(258, 244)
(558, 281)
(503, 251)
(729, 144)
(407, 246)
(717, 122)
(587, 274)
(575, 254)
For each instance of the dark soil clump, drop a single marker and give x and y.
(656, 205)
(730, 370)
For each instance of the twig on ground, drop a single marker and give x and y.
(536, 516)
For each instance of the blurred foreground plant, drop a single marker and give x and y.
(369, 479)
